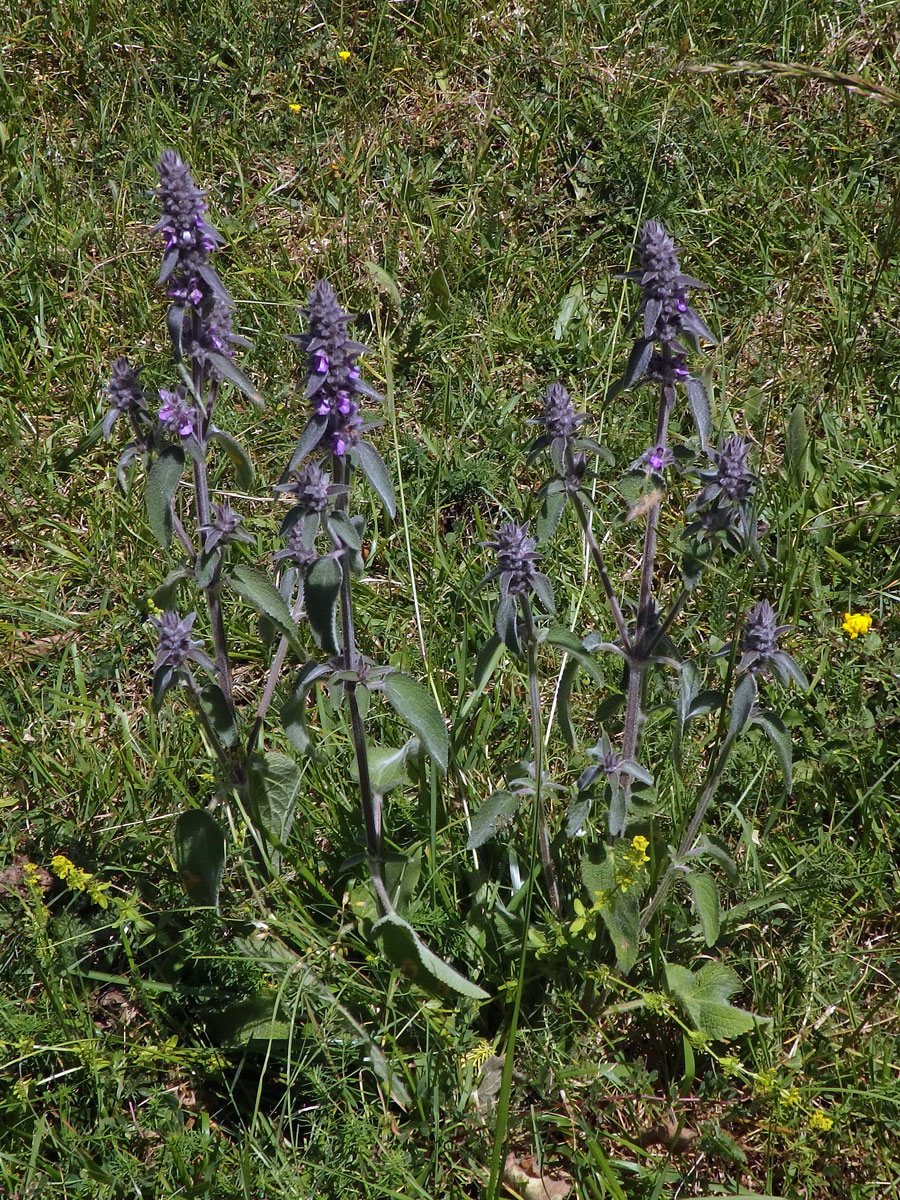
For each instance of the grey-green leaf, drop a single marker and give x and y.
(778, 735)
(497, 810)
(240, 459)
(200, 856)
(265, 598)
(742, 705)
(161, 484)
(320, 592)
(222, 718)
(370, 463)
(275, 786)
(416, 706)
(403, 947)
(706, 904)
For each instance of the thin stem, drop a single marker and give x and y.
(637, 667)
(534, 699)
(274, 673)
(213, 598)
(597, 555)
(370, 802)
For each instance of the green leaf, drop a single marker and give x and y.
(226, 369)
(619, 910)
(797, 445)
(704, 997)
(742, 705)
(342, 529)
(386, 281)
(564, 703)
(496, 811)
(699, 402)
(704, 703)
(506, 623)
(572, 307)
(275, 783)
(387, 765)
(321, 589)
(416, 706)
(712, 848)
(706, 904)
(162, 482)
(240, 459)
(222, 718)
(166, 595)
(778, 735)
(549, 515)
(405, 949)
(266, 599)
(565, 639)
(370, 463)
(200, 856)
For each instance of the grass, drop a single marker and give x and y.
(495, 161)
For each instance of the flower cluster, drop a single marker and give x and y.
(192, 283)
(667, 316)
(333, 377)
(178, 415)
(760, 652)
(723, 505)
(189, 239)
(856, 623)
(78, 880)
(176, 646)
(516, 558)
(126, 397)
(223, 527)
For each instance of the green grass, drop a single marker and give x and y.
(496, 161)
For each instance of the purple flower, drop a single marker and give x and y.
(178, 415)
(333, 379)
(312, 488)
(189, 239)
(298, 553)
(516, 558)
(126, 396)
(224, 527)
(176, 646)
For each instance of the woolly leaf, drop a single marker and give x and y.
(496, 811)
(161, 484)
(405, 949)
(370, 463)
(266, 599)
(200, 856)
(240, 459)
(321, 589)
(416, 706)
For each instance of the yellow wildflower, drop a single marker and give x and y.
(343, 55)
(791, 1097)
(295, 108)
(856, 623)
(78, 880)
(639, 854)
(819, 1123)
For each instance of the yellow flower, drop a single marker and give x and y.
(639, 846)
(819, 1123)
(856, 623)
(294, 108)
(343, 55)
(78, 880)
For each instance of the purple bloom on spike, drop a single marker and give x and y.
(177, 414)
(516, 558)
(176, 646)
(189, 239)
(333, 379)
(126, 396)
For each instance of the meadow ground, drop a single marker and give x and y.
(469, 178)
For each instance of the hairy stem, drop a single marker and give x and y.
(537, 738)
(370, 802)
(597, 556)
